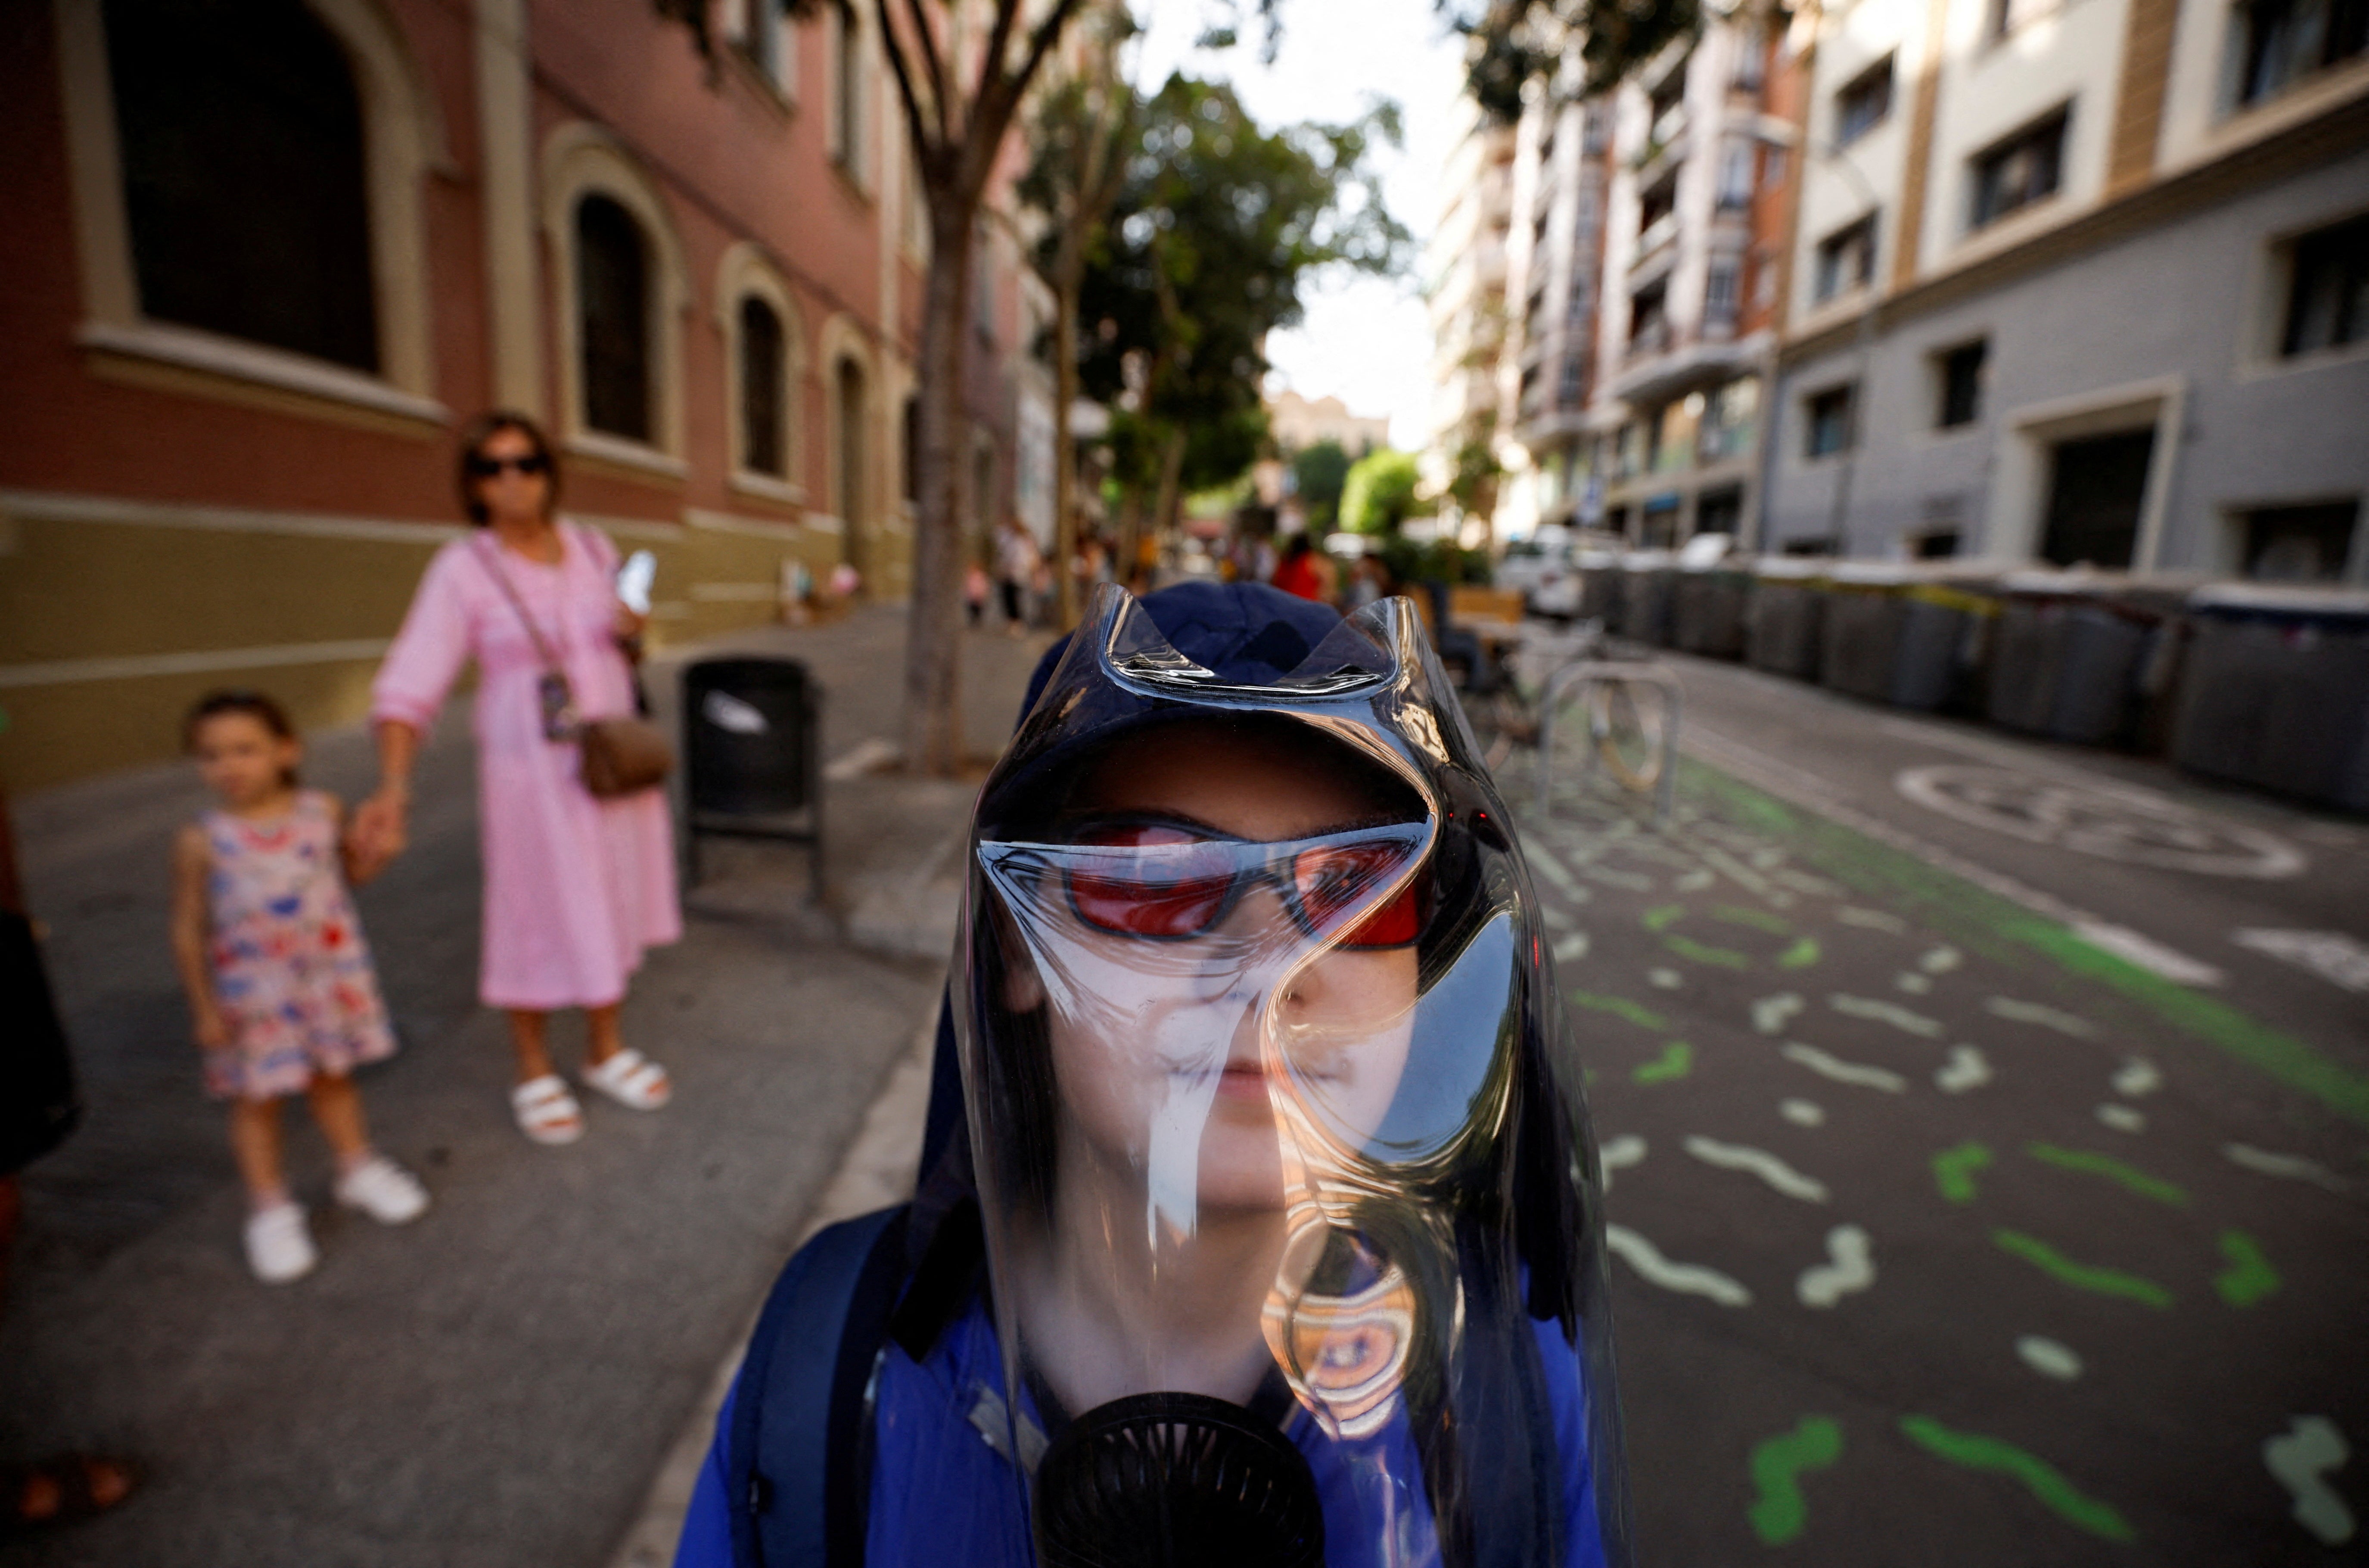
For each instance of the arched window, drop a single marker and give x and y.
(613, 302)
(761, 378)
(240, 135)
(849, 496)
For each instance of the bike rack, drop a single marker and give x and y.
(1606, 672)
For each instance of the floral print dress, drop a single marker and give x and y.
(292, 972)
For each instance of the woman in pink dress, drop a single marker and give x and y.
(576, 888)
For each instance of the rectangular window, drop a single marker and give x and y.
(1846, 259)
(1829, 415)
(1751, 59)
(1649, 322)
(2011, 15)
(1938, 546)
(1863, 103)
(2019, 171)
(1960, 373)
(2328, 290)
(1736, 176)
(2277, 44)
(2308, 544)
(1721, 292)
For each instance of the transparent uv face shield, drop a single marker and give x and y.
(1284, 1171)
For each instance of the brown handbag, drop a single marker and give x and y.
(615, 756)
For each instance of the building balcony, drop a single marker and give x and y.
(1656, 237)
(1658, 367)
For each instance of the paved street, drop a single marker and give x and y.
(498, 1383)
(1941, 1236)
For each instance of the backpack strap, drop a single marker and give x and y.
(794, 1472)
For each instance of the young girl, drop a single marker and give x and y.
(279, 981)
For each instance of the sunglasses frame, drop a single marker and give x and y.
(533, 466)
(1274, 867)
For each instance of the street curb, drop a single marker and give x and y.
(877, 1171)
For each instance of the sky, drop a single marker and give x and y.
(1365, 340)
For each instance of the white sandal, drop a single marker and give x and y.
(632, 1080)
(547, 1112)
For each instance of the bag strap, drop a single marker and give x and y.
(795, 1476)
(492, 563)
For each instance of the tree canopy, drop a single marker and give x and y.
(1379, 492)
(1318, 474)
(1217, 227)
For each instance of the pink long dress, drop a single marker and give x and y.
(575, 888)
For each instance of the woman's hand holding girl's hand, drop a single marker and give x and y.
(628, 623)
(379, 833)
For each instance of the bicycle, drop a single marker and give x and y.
(1574, 699)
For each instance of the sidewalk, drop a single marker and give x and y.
(500, 1382)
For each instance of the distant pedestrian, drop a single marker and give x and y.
(975, 593)
(1303, 573)
(281, 993)
(576, 886)
(1016, 569)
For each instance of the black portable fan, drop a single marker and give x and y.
(1175, 1481)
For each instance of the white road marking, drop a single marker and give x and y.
(1803, 882)
(1914, 983)
(1940, 961)
(1967, 1069)
(2291, 1167)
(1841, 1071)
(1572, 946)
(2123, 1118)
(2147, 954)
(1665, 980)
(1694, 881)
(1758, 1162)
(1871, 920)
(1849, 1268)
(2332, 955)
(1802, 1113)
(1619, 1154)
(2048, 1359)
(2138, 1076)
(1685, 1278)
(2046, 1018)
(1543, 860)
(1813, 793)
(1745, 878)
(1559, 918)
(1890, 1012)
(2102, 818)
(1770, 1014)
(2310, 1449)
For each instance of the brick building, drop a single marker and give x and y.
(264, 259)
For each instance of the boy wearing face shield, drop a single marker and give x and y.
(1269, 1230)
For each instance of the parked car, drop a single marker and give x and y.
(1529, 562)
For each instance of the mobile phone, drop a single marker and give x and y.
(634, 580)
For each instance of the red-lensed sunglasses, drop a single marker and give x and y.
(1165, 882)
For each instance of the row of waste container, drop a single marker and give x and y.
(2261, 684)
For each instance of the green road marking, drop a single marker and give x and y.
(2039, 1477)
(1800, 955)
(2250, 1275)
(1984, 921)
(2128, 1177)
(1779, 1512)
(1725, 957)
(2080, 1275)
(1678, 1060)
(1618, 1006)
(1758, 919)
(1663, 917)
(1954, 1171)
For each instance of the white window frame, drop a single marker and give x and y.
(745, 272)
(402, 139)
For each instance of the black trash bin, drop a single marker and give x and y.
(1647, 580)
(2076, 653)
(752, 737)
(1784, 621)
(2275, 691)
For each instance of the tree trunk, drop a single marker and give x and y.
(1065, 449)
(933, 619)
(1172, 496)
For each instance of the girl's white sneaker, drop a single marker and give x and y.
(279, 1245)
(383, 1190)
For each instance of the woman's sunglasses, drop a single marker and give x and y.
(1164, 883)
(533, 463)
